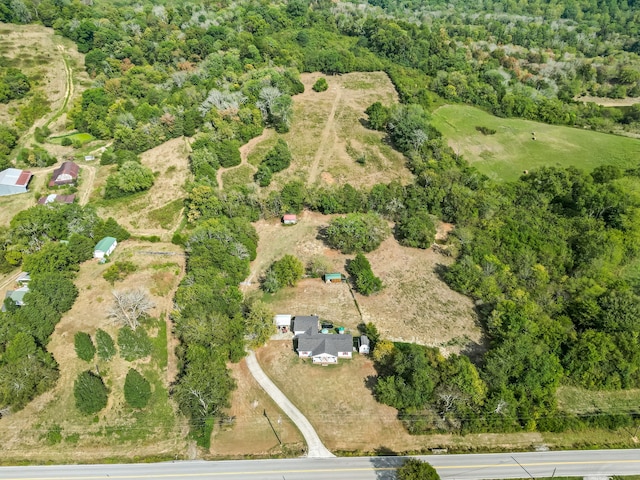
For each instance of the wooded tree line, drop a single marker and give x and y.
(161, 72)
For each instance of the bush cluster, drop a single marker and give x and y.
(85, 349)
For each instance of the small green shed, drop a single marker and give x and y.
(333, 278)
(105, 247)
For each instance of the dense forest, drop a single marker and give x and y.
(543, 257)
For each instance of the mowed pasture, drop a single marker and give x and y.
(520, 145)
(328, 134)
(51, 429)
(158, 210)
(415, 305)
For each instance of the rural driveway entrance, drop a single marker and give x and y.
(315, 448)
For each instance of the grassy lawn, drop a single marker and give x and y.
(415, 305)
(511, 150)
(237, 176)
(156, 211)
(579, 400)
(77, 137)
(250, 434)
(167, 215)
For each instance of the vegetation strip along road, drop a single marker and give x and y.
(467, 466)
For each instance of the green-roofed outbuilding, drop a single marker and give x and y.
(105, 247)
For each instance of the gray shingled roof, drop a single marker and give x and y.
(305, 323)
(319, 343)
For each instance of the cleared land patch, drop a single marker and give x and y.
(153, 212)
(327, 136)
(34, 49)
(520, 145)
(415, 306)
(155, 431)
(249, 433)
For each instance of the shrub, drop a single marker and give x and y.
(66, 142)
(90, 392)
(486, 130)
(133, 344)
(106, 347)
(321, 85)
(357, 232)
(137, 389)
(130, 178)
(416, 230)
(118, 271)
(283, 273)
(54, 435)
(379, 116)
(365, 282)
(414, 469)
(318, 266)
(263, 176)
(84, 346)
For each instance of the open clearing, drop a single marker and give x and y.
(609, 102)
(41, 55)
(157, 211)
(155, 431)
(251, 433)
(328, 135)
(415, 306)
(511, 150)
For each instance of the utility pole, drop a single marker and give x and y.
(264, 412)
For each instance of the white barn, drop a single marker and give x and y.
(14, 181)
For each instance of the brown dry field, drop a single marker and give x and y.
(157, 431)
(38, 51)
(328, 124)
(251, 434)
(415, 305)
(347, 417)
(170, 163)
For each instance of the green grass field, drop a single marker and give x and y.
(80, 137)
(511, 150)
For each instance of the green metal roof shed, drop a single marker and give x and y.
(105, 247)
(333, 277)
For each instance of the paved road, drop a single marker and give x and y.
(462, 467)
(315, 447)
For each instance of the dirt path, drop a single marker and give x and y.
(324, 138)
(10, 279)
(245, 150)
(89, 183)
(68, 91)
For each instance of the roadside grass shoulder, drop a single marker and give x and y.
(520, 145)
